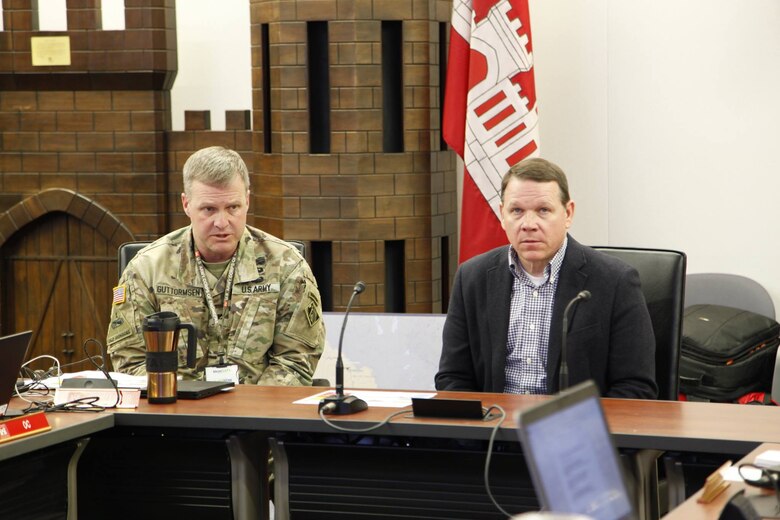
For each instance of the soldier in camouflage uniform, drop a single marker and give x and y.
(269, 320)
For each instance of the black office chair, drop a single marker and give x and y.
(126, 252)
(662, 273)
(300, 246)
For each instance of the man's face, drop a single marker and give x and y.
(535, 221)
(218, 217)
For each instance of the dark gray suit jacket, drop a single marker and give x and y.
(610, 338)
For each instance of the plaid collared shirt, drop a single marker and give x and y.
(528, 336)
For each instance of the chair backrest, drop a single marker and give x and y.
(731, 290)
(662, 274)
(300, 246)
(126, 252)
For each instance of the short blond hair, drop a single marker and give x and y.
(215, 166)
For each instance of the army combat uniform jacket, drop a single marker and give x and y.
(273, 329)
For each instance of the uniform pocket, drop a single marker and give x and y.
(255, 317)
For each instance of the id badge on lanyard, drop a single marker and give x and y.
(220, 372)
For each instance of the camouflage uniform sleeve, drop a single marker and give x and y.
(124, 340)
(299, 333)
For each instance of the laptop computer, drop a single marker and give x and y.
(13, 349)
(571, 456)
(188, 389)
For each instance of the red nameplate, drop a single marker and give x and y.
(23, 426)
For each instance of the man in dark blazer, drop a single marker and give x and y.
(498, 298)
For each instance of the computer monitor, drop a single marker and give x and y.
(13, 348)
(571, 457)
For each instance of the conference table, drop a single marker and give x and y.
(664, 425)
(249, 418)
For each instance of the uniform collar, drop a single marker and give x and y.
(246, 266)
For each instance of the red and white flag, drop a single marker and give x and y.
(490, 116)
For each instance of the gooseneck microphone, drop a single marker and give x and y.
(340, 404)
(563, 379)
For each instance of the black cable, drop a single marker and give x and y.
(29, 373)
(490, 454)
(770, 479)
(89, 358)
(35, 386)
(41, 374)
(360, 430)
(102, 368)
(486, 417)
(83, 404)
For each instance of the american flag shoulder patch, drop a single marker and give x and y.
(120, 294)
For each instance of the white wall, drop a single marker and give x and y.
(570, 58)
(666, 116)
(215, 62)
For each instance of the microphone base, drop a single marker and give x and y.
(342, 405)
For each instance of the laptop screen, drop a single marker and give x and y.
(571, 457)
(13, 348)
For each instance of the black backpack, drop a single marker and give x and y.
(726, 353)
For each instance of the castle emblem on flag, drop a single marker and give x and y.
(490, 115)
(501, 117)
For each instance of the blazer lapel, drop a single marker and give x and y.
(499, 293)
(572, 278)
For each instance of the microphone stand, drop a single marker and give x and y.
(340, 404)
(563, 379)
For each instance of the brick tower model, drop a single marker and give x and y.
(347, 146)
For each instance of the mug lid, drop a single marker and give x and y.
(163, 320)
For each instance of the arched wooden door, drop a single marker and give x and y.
(57, 278)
